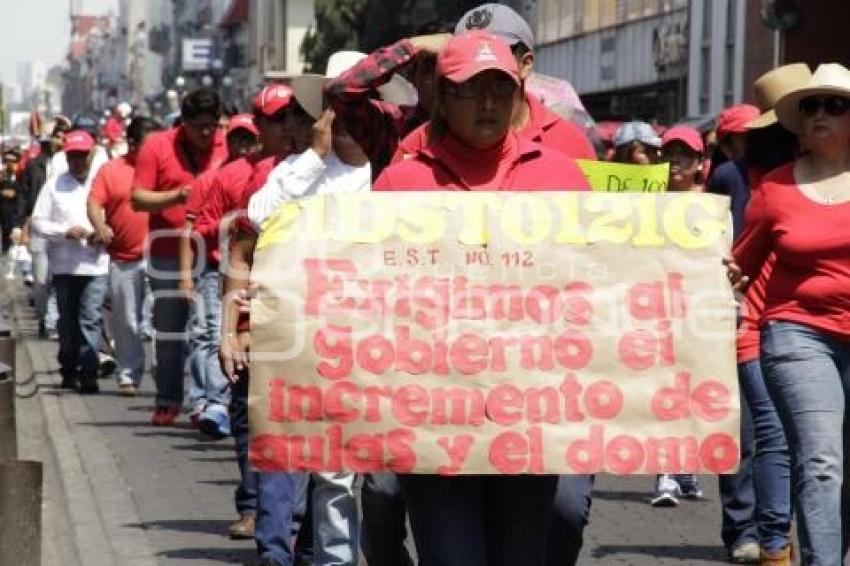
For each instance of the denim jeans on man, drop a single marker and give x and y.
(570, 514)
(127, 288)
(79, 298)
(762, 489)
(278, 496)
(208, 383)
(43, 292)
(384, 521)
(170, 318)
(807, 373)
(245, 497)
(479, 520)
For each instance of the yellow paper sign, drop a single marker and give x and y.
(608, 177)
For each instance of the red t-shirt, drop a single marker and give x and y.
(810, 283)
(749, 334)
(516, 165)
(111, 189)
(216, 194)
(164, 164)
(543, 127)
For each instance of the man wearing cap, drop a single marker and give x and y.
(36, 173)
(209, 394)
(532, 119)
(379, 124)
(8, 197)
(124, 231)
(167, 165)
(78, 263)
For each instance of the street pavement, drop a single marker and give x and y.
(141, 495)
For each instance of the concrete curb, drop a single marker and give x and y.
(100, 504)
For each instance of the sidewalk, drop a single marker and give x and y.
(142, 495)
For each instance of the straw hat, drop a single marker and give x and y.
(829, 78)
(307, 88)
(772, 86)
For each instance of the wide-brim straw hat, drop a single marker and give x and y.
(828, 79)
(308, 88)
(772, 86)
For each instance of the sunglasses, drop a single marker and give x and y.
(832, 105)
(474, 89)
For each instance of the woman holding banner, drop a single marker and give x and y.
(801, 215)
(479, 520)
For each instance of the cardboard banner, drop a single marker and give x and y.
(608, 177)
(495, 333)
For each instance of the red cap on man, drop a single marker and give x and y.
(468, 54)
(242, 122)
(734, 120)
(272, 99)
(78, 140)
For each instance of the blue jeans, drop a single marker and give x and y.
(806, 373)
(570, 514)
(384, 521)
(737, 491)
(246, 492)
(80, 299)
(170, 317)
(127, 288)
(208, 383)
(278, 497)
(479, 520)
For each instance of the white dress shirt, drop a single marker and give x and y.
(304, 175)
(60, 205)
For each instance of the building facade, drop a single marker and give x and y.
(626, 58)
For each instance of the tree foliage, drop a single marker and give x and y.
(365, 25)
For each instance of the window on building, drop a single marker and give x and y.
(729, 53)
(560, 19)
(705, 58)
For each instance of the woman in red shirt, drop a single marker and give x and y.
(802, 216)
(479, 520)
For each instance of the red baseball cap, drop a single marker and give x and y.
(78, 140)
(734, 120)
(468, 54)
(272, 99)
(244, 122)
(685, 134)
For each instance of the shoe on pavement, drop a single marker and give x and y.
(689, 486)
(165, 416)
(214, 421)
(666, 492)
(107, 365)
(128, 389)
(68, 382)
(243, 528)
(779, 558)
(88, 387)
(746, 553)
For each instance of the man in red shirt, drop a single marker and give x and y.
(167, 164)
(209, 393)
(124, 231)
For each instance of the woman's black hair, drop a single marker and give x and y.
(204, 101)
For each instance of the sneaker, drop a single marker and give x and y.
(165, 416)
(214, 421)
(666, 492)
(107, 365)
(243, 528)
(128, 389)
(689, 486)
(88, 387)
(746, 553)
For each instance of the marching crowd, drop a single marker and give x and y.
(160, 222)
